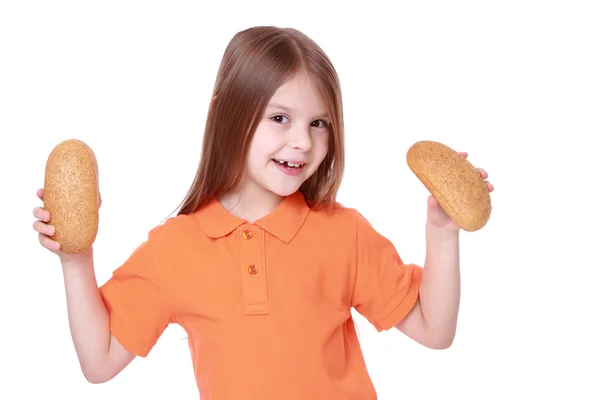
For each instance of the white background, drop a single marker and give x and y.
(514, 83)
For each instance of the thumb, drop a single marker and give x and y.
(432, 203)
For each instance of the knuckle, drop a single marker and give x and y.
(44, 241)
(39, 212)
(37, 225)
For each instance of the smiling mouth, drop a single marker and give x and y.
(288, 164)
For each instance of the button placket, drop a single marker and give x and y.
(254, 285)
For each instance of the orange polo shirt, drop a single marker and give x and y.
(267, 306)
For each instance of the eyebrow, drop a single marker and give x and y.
(277, 105)
(289, 110)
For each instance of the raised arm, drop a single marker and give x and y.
(100, 355)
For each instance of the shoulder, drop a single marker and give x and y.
(338, 215)
(174, 229)
(174, 241)
(337, 221)
(346, 233)
(348, 223)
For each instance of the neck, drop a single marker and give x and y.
(250, 202)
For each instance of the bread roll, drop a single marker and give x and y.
(71, 195)
(453, 181)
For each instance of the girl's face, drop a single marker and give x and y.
(291, 141)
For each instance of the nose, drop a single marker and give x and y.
(300, 138)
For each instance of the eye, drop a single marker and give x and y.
(319, 123)
(279, 118)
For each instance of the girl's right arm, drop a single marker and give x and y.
(100, 355)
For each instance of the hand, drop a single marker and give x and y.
(46, 231)
(437, 217)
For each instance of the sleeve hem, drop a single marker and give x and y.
(126, 340)
(404, 303)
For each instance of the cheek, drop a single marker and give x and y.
(259, 159)
(266, 143)
(259, 150)
(321, 146)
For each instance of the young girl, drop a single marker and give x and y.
(262, 266)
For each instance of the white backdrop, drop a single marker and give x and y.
(514, 83)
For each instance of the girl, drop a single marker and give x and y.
(261, 266)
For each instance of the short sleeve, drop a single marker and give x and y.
(385, 289)
(139, 312)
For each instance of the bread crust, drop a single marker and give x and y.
(453, 181)
(71, 195)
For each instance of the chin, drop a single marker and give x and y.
(283, 191)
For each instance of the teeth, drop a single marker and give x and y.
(291, 165)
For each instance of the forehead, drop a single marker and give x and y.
(301, 95)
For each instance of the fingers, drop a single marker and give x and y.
(41, 214)
(43, 228)
(485, 175)
(482, 172)
(45, 232)
(48, 243)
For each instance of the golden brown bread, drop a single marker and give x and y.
(71, 195)
(453, 181)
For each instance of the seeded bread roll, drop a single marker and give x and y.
(453, 181)
(71, 195)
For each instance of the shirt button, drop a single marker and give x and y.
(252, 269)
(247, 235)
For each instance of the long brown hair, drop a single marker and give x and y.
(256, 62)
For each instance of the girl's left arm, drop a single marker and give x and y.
(432, 321)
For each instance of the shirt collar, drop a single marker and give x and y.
(283, 222)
